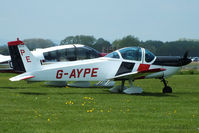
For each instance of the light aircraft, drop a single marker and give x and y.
(128, 63)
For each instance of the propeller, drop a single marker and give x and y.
(185, 60)
(186, 54)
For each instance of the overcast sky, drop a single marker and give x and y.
(164, 20)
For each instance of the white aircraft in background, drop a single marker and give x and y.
(4, 62)
(129, 63)
(4, 58)
(56, 54)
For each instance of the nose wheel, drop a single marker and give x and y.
(166, 89)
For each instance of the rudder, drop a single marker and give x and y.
(22, 58)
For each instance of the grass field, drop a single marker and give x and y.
(36, 108)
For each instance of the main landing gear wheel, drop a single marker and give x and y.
(166, 89)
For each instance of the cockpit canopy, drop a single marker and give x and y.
(113, 55)
(149, 56)
(133, 53)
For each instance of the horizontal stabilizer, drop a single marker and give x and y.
(20, 77)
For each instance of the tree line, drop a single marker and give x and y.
(172, 48)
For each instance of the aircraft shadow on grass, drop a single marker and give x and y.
(153, 94)
(156, 94)
(33, 93)
(159, 94)
(59, 93)
(12, 88)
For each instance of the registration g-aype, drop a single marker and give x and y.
(128, 63)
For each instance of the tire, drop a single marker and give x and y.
(167, 89)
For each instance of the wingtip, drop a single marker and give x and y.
(13, 79)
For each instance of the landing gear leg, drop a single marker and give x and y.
(166, 89)
(122, 86)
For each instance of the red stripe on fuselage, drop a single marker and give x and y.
(143, 67)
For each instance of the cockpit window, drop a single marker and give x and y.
(113, 55)
(149, 56)
(131, 53)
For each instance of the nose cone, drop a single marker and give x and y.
(185, 61)
(171, 61)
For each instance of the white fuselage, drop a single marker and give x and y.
(100, 69)
(119, 65)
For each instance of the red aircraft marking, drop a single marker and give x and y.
(143, 67)
(22, 52)
(28, 77)
(28, 59)
(76, 73)
(14, 43)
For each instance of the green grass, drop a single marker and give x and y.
(36, 108)
(190, 69)
(187, 72)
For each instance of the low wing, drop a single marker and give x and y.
(138, 74)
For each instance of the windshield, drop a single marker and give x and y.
(113, 55)
(131, 53)
(149, 56)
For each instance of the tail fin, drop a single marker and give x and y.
(22, 59)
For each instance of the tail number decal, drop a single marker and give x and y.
(59, 74)
(77, 73)
(27, 57)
